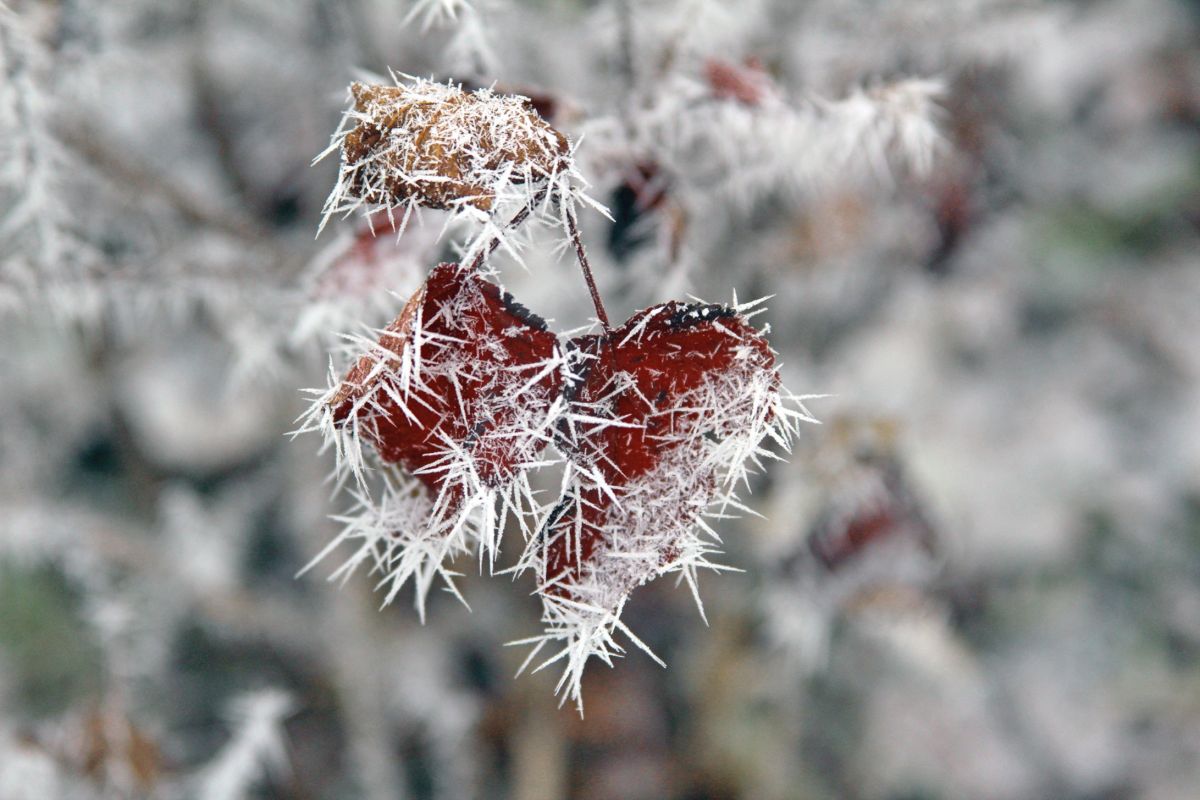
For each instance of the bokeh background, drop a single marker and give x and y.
(978, 578)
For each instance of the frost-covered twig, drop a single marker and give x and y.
(33, 216)
(725, 149)
(658, 419)
(257, 747)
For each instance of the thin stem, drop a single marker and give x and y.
(517, 219)
(581, 254)
(576, 241)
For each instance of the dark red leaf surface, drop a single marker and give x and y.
(647, 373)
(477, 351)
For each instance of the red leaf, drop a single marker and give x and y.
(669, 407)
(463, 373)
(658, 393)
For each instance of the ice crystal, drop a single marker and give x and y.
(436, 12)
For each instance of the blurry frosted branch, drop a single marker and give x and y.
(33, 215)
(834, 41)
(124, 573)
(437, 12)
(429, 703)
(470, 51)
(359, 669)
(140, 180)
(704, 148)
(869, 545)
(257, 748)
(361, 277)
(746, 151)
(666, 32)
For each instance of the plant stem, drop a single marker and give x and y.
(517, 219)
(581, 254)
(576, 241)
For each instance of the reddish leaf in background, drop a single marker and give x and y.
(463, 370)
(856, 520)
(354, 271)
(748, 83)
(648, 184)
(644, 190)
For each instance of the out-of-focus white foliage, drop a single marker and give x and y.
(34, 221)
(437, 12)
(358, 278)
(26, 773)
(426, 698)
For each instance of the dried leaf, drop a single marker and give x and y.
(440, 147)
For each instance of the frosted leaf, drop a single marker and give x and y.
(422, 144)
(462, 393)
(672, 412)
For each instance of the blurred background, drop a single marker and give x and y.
(978, 578)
